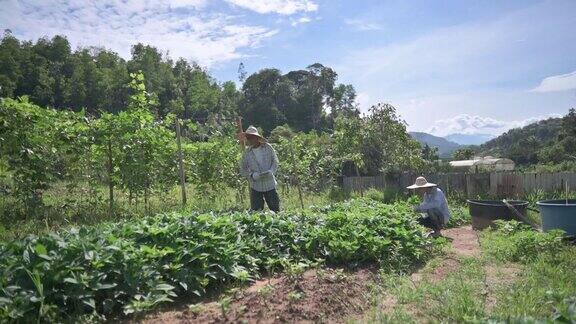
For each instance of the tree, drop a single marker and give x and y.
(348, 139)
(10, 69)
(40, 146)
(344, 101)
(228, 99)
(564, 147)
(430, 153)
(387, 145)
(463, 154)
(138, 152)
(95, 79)
(202, 98)
(259, 105)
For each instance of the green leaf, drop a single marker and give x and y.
(26, 256)
(89, 302)
(184, 285)
(40, 249)
(164, 287)
(100, 286)
(71, 280)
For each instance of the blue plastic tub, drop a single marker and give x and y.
(556, 214)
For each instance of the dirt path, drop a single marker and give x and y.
(464, 241)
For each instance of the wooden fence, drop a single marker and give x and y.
(499, 184)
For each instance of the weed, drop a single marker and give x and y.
(225, 304)
(196, 308)
(294, 296)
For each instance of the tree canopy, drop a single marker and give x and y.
(95, 80)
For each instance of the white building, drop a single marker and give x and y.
(483, 164)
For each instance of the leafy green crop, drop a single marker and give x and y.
(134, 265)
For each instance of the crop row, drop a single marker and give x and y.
(122, 268)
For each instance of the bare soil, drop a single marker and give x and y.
(464, 241)
(326, 295)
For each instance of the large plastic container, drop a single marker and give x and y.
(556, 214)
(485, 212)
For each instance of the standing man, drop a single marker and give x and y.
(259, 164)
(434, 205)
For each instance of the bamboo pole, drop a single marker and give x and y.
(110, 181)
(242, 142)
(181, 163)
(241, 139)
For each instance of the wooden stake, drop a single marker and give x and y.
(566, 183)
(181, 163)
(241, 138)
(520, 216)
(361, 182)
(110, 182)
(242, 142)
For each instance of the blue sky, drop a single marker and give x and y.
(448, 66)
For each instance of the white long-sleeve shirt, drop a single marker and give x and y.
(435, 200)
(260, 159)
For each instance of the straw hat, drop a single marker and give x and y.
(421, 183)
(251, 130)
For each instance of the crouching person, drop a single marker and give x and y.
(259, 164)
(434, 206)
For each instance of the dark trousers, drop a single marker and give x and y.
(433, 220)
(257, 200)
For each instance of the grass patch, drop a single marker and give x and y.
(545, 289)
(522, 276)
(457, 296)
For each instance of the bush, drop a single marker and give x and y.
(338, 194)
(387, 195)
(459, 215)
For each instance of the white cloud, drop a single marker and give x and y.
(179, 27)
(468, 124)
(283, 7)
(187, 3)
(363, 25)
(560, 82)
(474, 68)
(301, 20)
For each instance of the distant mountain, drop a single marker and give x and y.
(469, 139)
(445, 147)
(523, 144)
